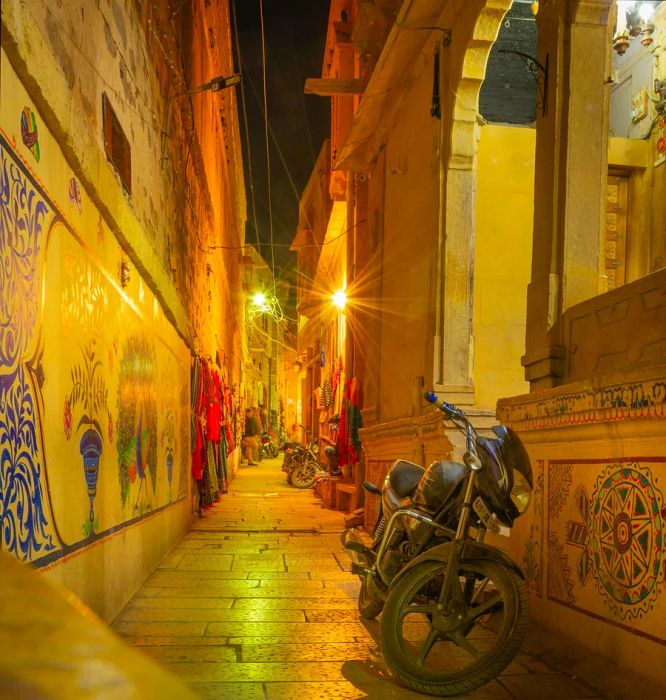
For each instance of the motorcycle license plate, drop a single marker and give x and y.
(481, 509)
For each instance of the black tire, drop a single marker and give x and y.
(369, 603)
(304, 476)
(289, 475)
(273, 451)
(470, 648)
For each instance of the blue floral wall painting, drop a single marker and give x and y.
(89, 394)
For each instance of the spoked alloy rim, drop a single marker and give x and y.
(441, 647)
(305, 475)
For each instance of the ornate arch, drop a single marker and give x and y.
(473, 72)
(475, 32)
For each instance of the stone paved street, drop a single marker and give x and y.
(255, 603)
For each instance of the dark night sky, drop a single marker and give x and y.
(295, 32)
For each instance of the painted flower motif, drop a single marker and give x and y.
(110, 428)
(662, 122)
(661, 144)
(131, 473)
(67, 418)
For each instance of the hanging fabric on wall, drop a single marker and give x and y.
(349, 442)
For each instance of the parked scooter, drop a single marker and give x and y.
(305, 467)
(267, 448)
(454, 608)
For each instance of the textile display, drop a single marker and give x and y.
(213, 439)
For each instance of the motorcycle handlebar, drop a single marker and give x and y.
(448, 409)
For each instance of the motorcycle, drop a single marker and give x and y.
(267, 447)
(301, 463)
(454, 607)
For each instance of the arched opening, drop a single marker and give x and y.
(509, 99)
(489, 195)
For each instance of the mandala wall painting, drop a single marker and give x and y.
(627, 539)
(612, 525)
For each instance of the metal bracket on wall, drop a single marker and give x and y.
(539, 73)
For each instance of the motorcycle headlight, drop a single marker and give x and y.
(521, 492)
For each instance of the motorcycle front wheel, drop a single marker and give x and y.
(453, 653)
(273, 451)
(305, 475)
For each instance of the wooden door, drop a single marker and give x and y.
(615, 239)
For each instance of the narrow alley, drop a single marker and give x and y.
(256, 602)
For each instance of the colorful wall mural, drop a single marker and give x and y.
(595, 540)
(94, 380)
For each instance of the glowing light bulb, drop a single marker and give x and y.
(340, 299)
(645, 11)
(259, 299)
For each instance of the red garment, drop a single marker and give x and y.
(213, 404)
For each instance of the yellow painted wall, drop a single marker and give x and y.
(410, 201)
(502, 258)
(94, 382)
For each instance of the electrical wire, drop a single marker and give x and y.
(298, 246)
(268, 155)
(245, 124)
(275, 141)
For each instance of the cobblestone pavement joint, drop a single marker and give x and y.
(256, 603)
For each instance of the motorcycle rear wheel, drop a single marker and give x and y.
(369, 603)
(272, 451)
(453, 655)
(304, 476)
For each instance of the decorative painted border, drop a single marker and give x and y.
(614, 402)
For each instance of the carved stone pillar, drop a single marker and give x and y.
(570, 180)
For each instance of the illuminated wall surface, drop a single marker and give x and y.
(94, 381)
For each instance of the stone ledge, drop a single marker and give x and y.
(55, 648)
(635, 396)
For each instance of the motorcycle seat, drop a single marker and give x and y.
(404, 477)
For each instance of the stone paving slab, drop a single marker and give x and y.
(164, 580)
(210, 615)
(159, 629)
(292, 672)
(176, 575)
(178, 653)
(206, 562)
(143, 603)
(296, 630)
(546, 686)
(238, 592)
(330, 603)
(376, 690)
(139, 641)
(222, 691)
(264, 653)
(340, 637)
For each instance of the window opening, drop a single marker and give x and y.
(116, 145)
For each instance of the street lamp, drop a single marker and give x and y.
(214, 85)
(340, 299)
